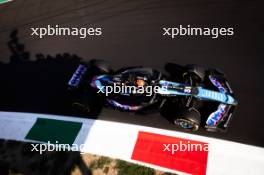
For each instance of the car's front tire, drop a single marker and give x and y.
(189, 120)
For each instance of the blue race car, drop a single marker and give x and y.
(190, 96)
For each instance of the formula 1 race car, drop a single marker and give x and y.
(190, 96)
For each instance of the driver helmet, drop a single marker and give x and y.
(140, 82)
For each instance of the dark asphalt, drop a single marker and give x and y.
(132, 35)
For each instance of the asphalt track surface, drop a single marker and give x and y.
(132, 35)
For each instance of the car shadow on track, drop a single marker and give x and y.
(38, 86)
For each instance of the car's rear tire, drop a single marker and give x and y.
(189, 120)
(81, 107)
(87, 103)
(82, 103)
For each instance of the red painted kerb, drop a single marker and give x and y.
(150, 148)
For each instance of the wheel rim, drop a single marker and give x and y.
(187, 124)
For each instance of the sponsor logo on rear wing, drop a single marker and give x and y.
(77, 76)
(220, 119)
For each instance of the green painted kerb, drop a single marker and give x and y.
(4, 1)
(64, 132)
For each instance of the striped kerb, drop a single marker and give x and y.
(44, 130)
